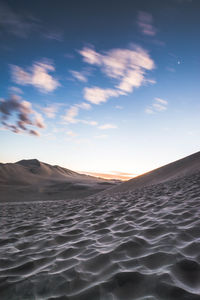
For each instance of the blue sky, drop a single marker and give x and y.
(100, 86)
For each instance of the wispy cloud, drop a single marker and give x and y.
(53, 35)
(23, 24)
(72, 113)
(127, 66)
(91, 57)
(16, 24)
(39, 121)
(23, 113)
(79, 76)
(50, 111)
(38, 76)
(84, 105)
(92, 123)
(107, 126)
(145, 23)
(15, 90)
(158, 105)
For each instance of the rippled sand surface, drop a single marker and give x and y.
(142, 245)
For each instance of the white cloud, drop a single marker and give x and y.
(84, 105)
(127, 66)
(145, 23)
(157, 106)
(50, 111)
(149, 110)
(150, 80)
(107, 126)
(73, 111)
(79, 76)
(97, 95)
(38, 76)
(71, 115)
(133, 79)
(91, 56)
(161, 101)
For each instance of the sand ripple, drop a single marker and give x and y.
(142, 245)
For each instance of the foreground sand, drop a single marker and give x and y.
(142, 245)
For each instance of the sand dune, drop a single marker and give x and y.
(180, 168)
(135, 245)
(139, 244)
(34, 180)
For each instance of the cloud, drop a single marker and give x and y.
(96, 95)
(38, 76)
(53, 35)
(92, 123)
(79, 76)
(119, 107)
(157, 106)
(133, 78)
(39, 121)
(145, 23)
(73, 111)
(90, 56)
(15, 90)
(84, 105)
(107, 126)
(22, 112)
(50, 111)
(127, 66)
(149, 110)
(16, 24)
(71, 115)
(34, 132)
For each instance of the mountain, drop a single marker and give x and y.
(31, 179)
(180, 168)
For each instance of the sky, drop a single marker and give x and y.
(108, 87)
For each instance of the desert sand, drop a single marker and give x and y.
(138, 244)
(41, 181)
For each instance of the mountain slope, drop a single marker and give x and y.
(34, 180)
(180, 168)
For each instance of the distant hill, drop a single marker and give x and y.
(180, 168)
(31, 179)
